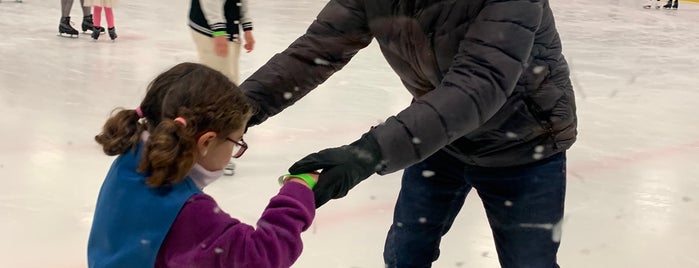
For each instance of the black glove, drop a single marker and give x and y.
(343, 167)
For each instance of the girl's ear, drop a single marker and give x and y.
(204, 141)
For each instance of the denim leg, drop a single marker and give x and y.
(524, 206)
(431, 195)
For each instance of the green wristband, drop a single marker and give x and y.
(304, 176)
(219, 33)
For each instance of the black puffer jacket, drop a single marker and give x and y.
(490, 84)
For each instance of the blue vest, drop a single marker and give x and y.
(132, 219)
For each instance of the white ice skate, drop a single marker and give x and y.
(230, 169)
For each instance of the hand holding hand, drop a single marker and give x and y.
(297, 178)
(342, 167)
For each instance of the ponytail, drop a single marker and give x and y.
(169, 153)
(120, 133)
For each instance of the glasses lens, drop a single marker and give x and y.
(239, 148)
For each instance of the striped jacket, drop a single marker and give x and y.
(219, 16)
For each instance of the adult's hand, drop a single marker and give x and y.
(342, 167)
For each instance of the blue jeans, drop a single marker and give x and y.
(524, 206)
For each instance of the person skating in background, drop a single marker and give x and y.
(657, 4)
(64, 26)
(151, 211)
(671, 5)
(215, 28)
(108, 6)
(493, 110)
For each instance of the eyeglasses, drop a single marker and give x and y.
(242, 146)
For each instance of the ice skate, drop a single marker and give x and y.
(64, 27)
(668, 5)
(230, 169)
(88, 24)
(95, 33)
(112, 33)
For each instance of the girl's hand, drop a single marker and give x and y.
(249, 41)
(221, 45)
(313, 175)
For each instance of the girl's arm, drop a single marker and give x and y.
(204, 236)
(245, 18)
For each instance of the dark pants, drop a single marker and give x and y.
(524, 206)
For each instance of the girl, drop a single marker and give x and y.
(108, 12)
(216, 30)
(151, 211)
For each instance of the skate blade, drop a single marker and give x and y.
(67, 35)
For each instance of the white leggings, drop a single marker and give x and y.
(227, 65)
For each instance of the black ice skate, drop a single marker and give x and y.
(112, 33)
(670, 5)
(95, 33)
(88, 24)
(65, 28)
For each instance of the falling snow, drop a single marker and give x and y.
(539, 149)
(547, 226)
(320, 61)
(538, 69)
(427, 173)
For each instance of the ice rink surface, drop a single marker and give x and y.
(633, 185)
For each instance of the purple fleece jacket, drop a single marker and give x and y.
(204, 236)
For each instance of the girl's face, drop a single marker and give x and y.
(215, 152)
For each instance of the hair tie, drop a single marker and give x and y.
(139, 112)
(181, 120)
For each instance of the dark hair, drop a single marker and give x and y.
(204, 97)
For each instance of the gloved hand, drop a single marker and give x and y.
(343, 167)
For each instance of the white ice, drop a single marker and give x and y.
(633, 188)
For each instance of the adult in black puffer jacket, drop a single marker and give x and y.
(493, 110)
